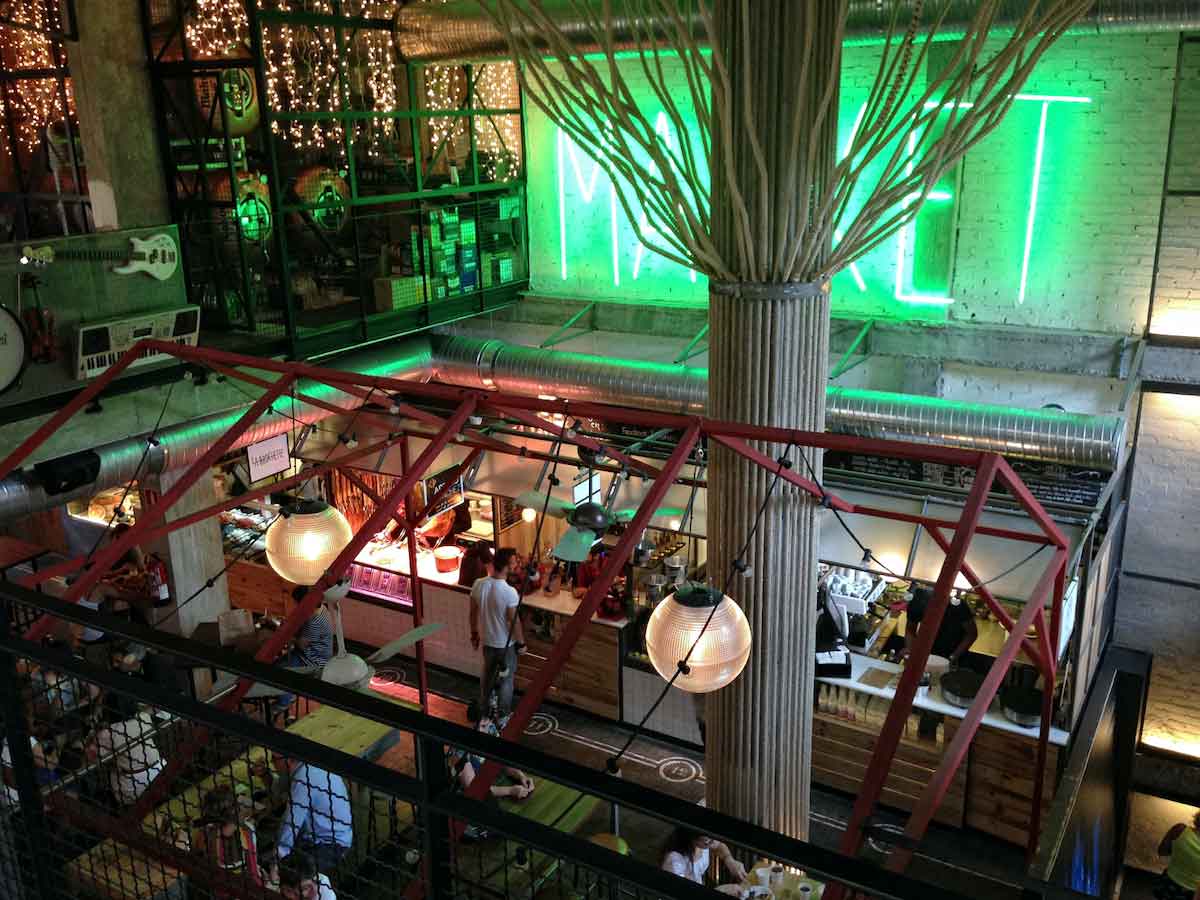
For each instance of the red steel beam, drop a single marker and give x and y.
(370, 492)
(936, 788)
(741, 447)
(308, 604)
(72, 406)
(70, 565)
(1039, 777)
(347, 382)
(365, 396)
(441, 492)
(196, 866)
(654, 419)
(906, 689)
(931, 523)
(989, 598)
(570, 634)
(417, 592)
(1031, 505)
(535, 421)
(117, 548)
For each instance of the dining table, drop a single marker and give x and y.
(795, 886)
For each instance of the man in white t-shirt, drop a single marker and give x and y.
(495, 625)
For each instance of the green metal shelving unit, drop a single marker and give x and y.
(327, 198)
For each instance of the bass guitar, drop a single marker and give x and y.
(157, 256)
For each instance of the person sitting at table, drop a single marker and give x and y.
(465, 766)
(317, 820)
(92, 643)
(129, 749)
(223, 837)
(300, 880)
(312, 647)
(688, 854)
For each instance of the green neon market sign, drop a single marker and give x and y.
(576, 216)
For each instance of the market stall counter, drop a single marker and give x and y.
(993, 789)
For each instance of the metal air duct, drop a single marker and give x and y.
(25, 491)
(1088, 441)
(460, 30)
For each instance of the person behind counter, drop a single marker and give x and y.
(955, 635)
(475, 563)
(588, 571)
(494, 605)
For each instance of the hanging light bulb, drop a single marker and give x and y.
(722, 648)
(305, 540)
(528, 514)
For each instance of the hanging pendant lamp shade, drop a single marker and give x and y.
(723, 647)
(305, 540)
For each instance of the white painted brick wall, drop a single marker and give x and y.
(1096, 221)
(1164, 525)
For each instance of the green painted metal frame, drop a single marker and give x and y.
(369, 324)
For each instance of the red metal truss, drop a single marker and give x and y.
(308, 604)
(953, 536)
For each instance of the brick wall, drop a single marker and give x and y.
(1090, 263)
(1096, 220)
(1159, 594)
(1177, 293)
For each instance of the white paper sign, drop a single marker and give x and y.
(268, 457)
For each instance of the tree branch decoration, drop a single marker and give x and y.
(911, 132)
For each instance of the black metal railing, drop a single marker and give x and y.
(382, 820)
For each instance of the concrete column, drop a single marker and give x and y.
(116, 116)
(193, 555)
(768, 365)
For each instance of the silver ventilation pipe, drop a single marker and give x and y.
(460, 30)
(89, 471)
(1088, 441)
(1048, 435)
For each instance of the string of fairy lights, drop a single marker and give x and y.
(303, 67)
(34, 104)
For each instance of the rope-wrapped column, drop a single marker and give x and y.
(768, 362)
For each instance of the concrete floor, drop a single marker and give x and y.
(975, 864)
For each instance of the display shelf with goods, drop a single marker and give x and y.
(330, 193)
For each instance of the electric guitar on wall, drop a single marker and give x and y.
(157, 256)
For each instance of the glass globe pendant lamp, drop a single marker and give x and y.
(722, 648)
(305, 540)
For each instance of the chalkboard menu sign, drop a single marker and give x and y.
(453, 497)
(1049, 482)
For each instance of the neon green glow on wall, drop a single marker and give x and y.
(599, 246)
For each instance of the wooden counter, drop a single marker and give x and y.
(591, 678)
(993, 789)
(842, 751)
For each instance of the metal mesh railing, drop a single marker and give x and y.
(133, 787)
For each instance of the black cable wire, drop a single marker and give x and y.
(151, 441)
(527, 578)
(248, 545)
(736, 566)
(868, 556)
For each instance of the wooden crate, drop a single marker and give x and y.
(256, 587)
(842, 752)
(1000, 783)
